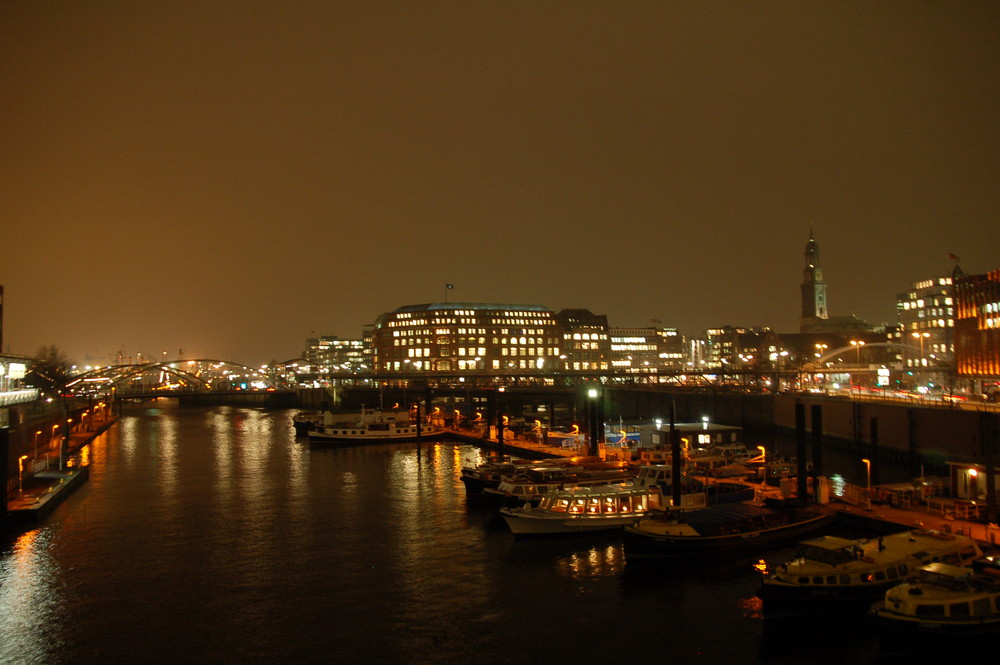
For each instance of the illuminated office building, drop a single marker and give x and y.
(467, 337)
(926, 316)
(646, 349)
(977, 327)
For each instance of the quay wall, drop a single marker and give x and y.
(906, 432)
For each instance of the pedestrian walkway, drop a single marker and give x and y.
(41, 491)
(922, 516)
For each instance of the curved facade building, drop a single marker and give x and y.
(461, 337)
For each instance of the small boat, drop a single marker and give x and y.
(374, 426)
(943, 603)
(829, 572)
(583, 509)
(716, 491)
(490, 473)
(727, 529)
(532, 484)
(307, 421)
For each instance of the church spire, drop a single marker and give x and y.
(813, 286)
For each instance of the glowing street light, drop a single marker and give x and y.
(921, 336)
(868, 485)
(857, 344)
(20, 472)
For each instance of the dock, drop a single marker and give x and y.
(42, 492)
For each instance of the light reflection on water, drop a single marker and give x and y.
(212, 535)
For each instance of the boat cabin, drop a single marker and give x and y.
(612, 501)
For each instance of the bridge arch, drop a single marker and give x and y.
(198, 376)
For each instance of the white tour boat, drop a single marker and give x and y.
(830, 571)
(373, 426)
(943, 601)
(584, 509)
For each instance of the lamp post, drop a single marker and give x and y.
(20, 473)
(763, 471)
(921, 336)
(868, 484)
(857, 344)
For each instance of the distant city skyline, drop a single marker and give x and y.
(227, 179)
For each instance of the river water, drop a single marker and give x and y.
(214, 536)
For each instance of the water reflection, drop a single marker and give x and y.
(27, 601)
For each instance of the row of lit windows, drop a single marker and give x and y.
(932, 312)
(933, 323)
(586, 346)
(522, 340)
(636, 345)
(920, 303)
(585, 336)
(520, 322)
(529, 351)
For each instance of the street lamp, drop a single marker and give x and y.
(858, 343)
(20, 473)
(763, 470)
(868, 485)
(921, 337)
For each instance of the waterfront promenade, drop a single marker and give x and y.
(41, 492)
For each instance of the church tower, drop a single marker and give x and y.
(813, 288)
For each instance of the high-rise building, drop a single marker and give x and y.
(977, 327)
(926, 316)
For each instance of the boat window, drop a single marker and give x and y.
(845, 579)
(880, 576)
(518, 489)
(609, 505)
(867, 578)
(831, 579)
(542, 489)
(560, 506)
(626, 504)
(981, 606)
(959, 609)
(593, 506)
(545, 503)
(930, 610)
(892, 573)
(803, 580)
(640, 503)
(576, 507)
(903, 568)
(817, 580)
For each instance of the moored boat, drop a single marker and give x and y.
(583, 509)
(534, 483)
(943, 603)
(374, 426)
(715, 491)
(307, 421)
(829, 572)
(490, 473)
(727, 529)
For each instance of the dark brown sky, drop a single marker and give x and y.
(228, 177)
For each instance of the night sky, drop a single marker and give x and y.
(230, 178)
